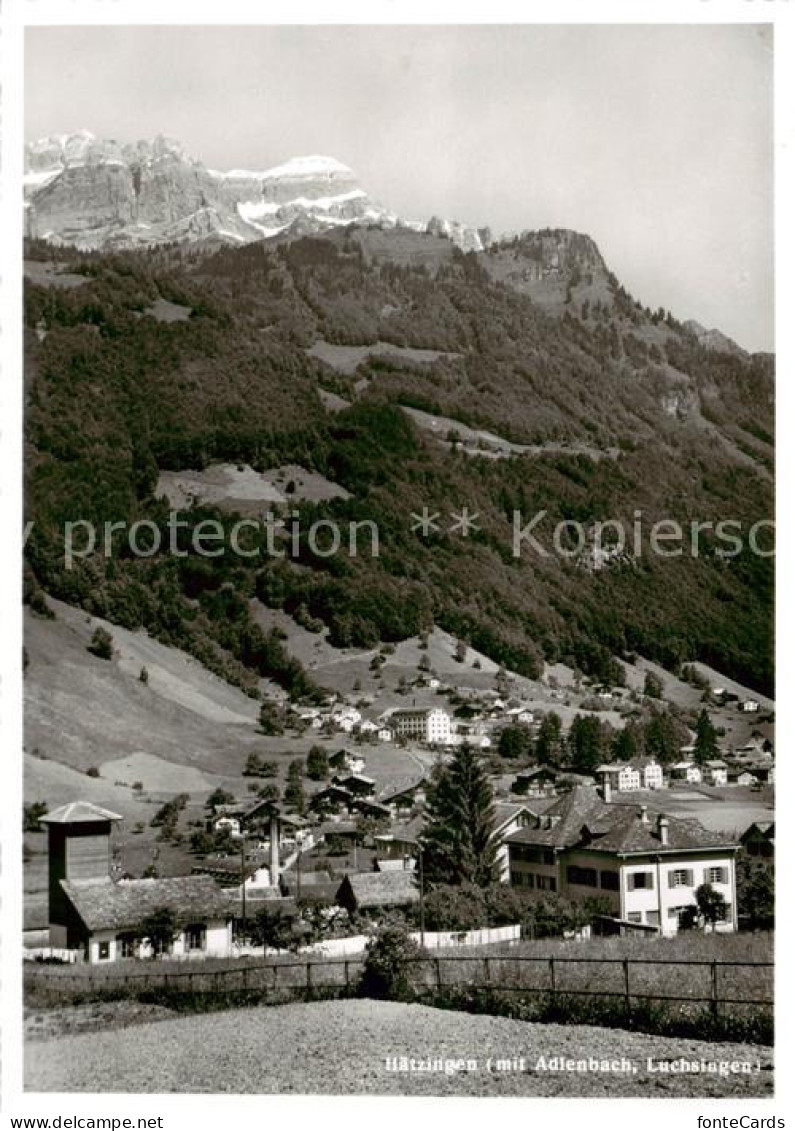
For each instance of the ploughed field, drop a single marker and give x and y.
(339, 1047)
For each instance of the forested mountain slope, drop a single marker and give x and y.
(181, 357)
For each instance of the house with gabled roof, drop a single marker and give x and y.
(378, 891)
(509, 817)
(622, 776)
(686, 771)
(107, 917)
(647, 869)
(715, 771)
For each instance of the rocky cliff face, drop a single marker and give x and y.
(95, 193)
(714, 339)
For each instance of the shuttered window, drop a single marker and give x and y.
(716, 875)
(680, 878)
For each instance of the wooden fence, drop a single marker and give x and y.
(716, 984)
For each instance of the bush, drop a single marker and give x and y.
(388, 958)
(92, 772)
(101, 644)
(32, 816)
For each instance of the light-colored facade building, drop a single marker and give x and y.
(686, 771)
(623, 777)
(716, 772)
(651, 774)
(648, 869)
(424, 724)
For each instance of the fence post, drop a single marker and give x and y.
(487, 971)
(347, 974)
(714, 999)
(308, 978)
(626, 987)
(438, 964)
(552, 987)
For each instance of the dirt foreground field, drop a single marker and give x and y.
(357, 1047)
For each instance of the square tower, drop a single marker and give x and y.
(78, 842)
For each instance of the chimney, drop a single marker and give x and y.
(662, 826)
(644, 814)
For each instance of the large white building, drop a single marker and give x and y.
(423, 724)
(648, 868)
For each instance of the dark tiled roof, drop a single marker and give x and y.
(79, 812)
(337, 828)
(405, 832)
(581, 817)
(104, 905)
(562, 821)
(382, 889)
(505, 811)
(400, 786)
(628, 833)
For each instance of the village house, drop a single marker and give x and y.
(107, 916)
(226, 823)
(375, 892)
(538, 781)
(764, 772)
(648, 869)
(357, 784)
(749, 706)
(233, 871)
(105, 919)
(651, 774)
(431, 725)
(740, 775)
(715, 771)
(344, 761)
(404, 798)
(521, 715)
(508, 818)
(400, 841)
(316, 886)
(686, 771)
(621, 776)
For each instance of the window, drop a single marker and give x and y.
(585, 877)
(126, 946)
(103, 951)
(634, 916)
(716, 875)
(195, 937)
(653, 918)
(608, 880)
(680, 878)
(546, 883)
(640, 880)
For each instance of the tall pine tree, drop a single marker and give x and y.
(458, 846)
(706, 746)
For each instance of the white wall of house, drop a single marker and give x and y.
(639, 889)
(106, 946)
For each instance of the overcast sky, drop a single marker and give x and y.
(656, 141)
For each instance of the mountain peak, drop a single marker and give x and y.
(95, 192)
